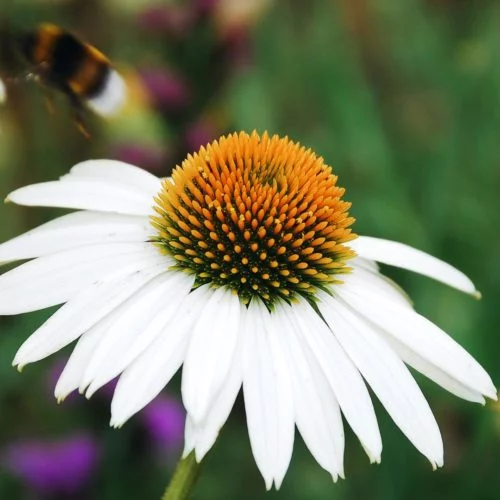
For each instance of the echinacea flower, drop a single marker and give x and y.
(242, 268)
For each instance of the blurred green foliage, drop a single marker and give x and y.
(402, 98)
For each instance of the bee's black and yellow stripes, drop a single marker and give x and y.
(65, 61)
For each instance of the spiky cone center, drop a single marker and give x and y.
(262, 216)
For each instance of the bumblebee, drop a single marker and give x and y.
(59, 60)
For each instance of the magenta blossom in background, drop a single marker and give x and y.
(174, 20)
(199, 134)
(53, 467)
(150, 158)
(164, 420)
(167, 89)
(237, 46)
(204, 7)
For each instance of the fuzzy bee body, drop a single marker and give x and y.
(62, 61)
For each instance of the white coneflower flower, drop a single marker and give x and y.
(241, 268)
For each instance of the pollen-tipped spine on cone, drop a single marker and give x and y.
(260, 215)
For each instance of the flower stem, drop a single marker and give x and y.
(185, 476)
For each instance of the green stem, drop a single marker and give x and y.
(185, 476)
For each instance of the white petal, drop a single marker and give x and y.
(367, 264)
(317, 411)
(117, 172)
(388, 377)
(84, 194)
(82, 312)
(71, 377)
(268, 394)
(192, 437)
(426, 340)
(210, 352)
(141, 319)
(401, 255)
(74, 230)
(146, 376)
(202, 437)
(431, 371)
(370, 277)
(56, 278)
(343, 377)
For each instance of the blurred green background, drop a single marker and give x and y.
(401, 97)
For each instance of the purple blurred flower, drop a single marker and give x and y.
(167, 89)
(204, 7)
(164, 420)
(56, 467)
(147, 157)
(199, 134)
(107, 391)
(173, 20)
(237, 46)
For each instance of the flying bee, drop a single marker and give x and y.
(59, 60)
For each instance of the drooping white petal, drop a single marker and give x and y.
(268, 394)
(71, 377)
(82, 312)
(210, 352)
(117, 172)
(147, 375)
(141, 319)
(56, 278)
(75, 230)
(342, 375)
(388, 377)
(317, 411)
(84, 194)
(426, 340)
(401, 255)
(434, 373)
(201, 438)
